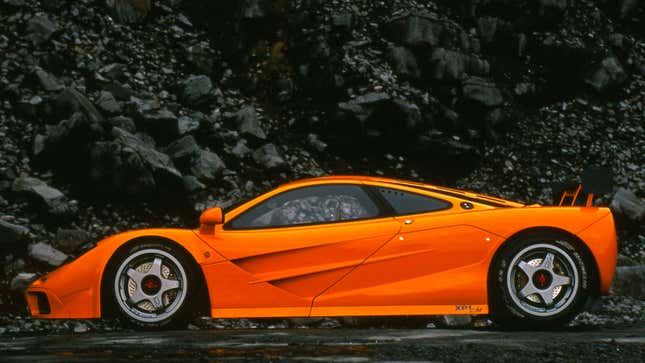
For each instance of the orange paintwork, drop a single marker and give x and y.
(429, 263)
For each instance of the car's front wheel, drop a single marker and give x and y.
(541, 280)
(151, 285)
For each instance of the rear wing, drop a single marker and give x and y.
(595, 181)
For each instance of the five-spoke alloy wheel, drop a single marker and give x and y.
(541, 280)
(150, 285)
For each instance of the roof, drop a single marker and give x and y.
(400, 182)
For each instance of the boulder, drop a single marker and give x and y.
(415, 30)
(107, 103)
(197, 89)
(606, 75)
(40, 29)
(114, 71)
(200, 56)
(192, 184)
(183, 149)
(47, 81)
(70, 101)
(70, 240)
(269, 157)
(456, 321)
(481, 91)
(21, 281)
(206, 166)
(247, 123)
(68, 139)
(128, 165)
(255, 9)
(240, 150)
(11, 234)
(629, 204)
(186, 125)
(454, 66)
(50, 198)
(44, 252)
(404, 63)
(630, 281)
(161, 124)
(130, 11)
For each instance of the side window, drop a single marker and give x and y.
(309, 205)
(410, 203)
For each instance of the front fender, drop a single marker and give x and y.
(74, 289)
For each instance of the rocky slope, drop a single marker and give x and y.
(124, 114)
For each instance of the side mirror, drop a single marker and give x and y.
(209, 218)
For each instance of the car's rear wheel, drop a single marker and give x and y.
(541, 280)
(151, 285)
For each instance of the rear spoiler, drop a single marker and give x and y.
(595, 181)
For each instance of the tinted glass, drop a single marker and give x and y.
(309, 205)
(410, 203)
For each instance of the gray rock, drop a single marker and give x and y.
(21, 281)
(627, 8)
(186, 125)
(67, 138)
(416, 30)
(628, 204)
(201, 57)
(455, 321)
(454, 66)
(486, 27)
(479, 90)
(130, 11)
(183, 149)
(630, 281)
(411, 114)
(192, 184)
(255, 9)
(316, 143)
(40, 29)
(240, 150)
(70, 101)
(55, 201)
(12, 233)
(606, 75)
(342, 21)
(125, 123)
(363, 106)
(47, 81)
(247, 122)
(269, 157)
(70, 240)
(80, 328)
(404, 63)
(107, 103)
(446, 64)
(162, 124)
(44, 252)
(128, 165)
(197, 89)
(206, 166)
(114, 71)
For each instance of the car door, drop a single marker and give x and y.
(433, 260)
(289, 248)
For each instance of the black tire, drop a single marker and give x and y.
(174, 308)
(512, 301)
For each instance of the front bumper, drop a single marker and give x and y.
(68, 292)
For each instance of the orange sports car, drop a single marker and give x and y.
(347, 246)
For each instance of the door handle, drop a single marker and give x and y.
(408, 221)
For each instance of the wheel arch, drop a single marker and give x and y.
(203, 299)
(579, 243)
